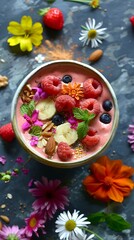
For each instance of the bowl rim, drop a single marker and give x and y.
(81, 161)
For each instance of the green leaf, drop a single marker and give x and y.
(24, 109)
(96, 218)
(31, 107)
(116, 222)
(82, 130)
(82, 114)
(35, 130)
(43, 11)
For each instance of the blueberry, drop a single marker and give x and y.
(105, 118)
(58, 119)
(67, 79)
(107, 105)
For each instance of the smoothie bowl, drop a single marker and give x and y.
(65, 113)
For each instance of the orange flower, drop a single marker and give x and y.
(74, 90)
(110, 180)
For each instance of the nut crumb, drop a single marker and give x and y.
(3, 81)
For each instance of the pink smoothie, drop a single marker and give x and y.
(79, 74)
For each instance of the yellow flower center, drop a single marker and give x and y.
(33, 222)
(92, 33)
(108, 181)
(94, 3)
(70, 225)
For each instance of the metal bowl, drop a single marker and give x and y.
(50, 67)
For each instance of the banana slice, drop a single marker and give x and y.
(65, 134)
(46, 109)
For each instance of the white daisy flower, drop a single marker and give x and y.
(85, 237)
(68, 226)
(92, 33)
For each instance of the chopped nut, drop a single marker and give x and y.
(5, 218)
(3, 81)
(3, 206)
(46, 133)
(27, 94)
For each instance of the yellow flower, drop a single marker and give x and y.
(25, 33)
(94, 3)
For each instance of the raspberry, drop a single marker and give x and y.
(91, 104)
(64, 103)
(91, 139)
(92, 88)
(51, 85)
(7, 133)
(64, 151)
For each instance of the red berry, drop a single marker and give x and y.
(51, 85)
(64, 103)
(91, 139)
(64, 151)
(92, 88)
(7, 133)
(91, 104)
(132, 20)
(54, 18)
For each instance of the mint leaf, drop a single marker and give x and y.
(82, 130)
(82, 114)
(96, 218)
(31, 107)
(24, 109)
(116, 222)
(35, 130)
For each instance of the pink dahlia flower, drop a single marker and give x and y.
(50, 196)
(33, 224)
(13, 233)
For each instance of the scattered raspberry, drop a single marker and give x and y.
(91, 104)
(92, 88)
(131, 19)
(7, 133)
(64, 151)
(51, 85)
(91, 139)
(64, 103)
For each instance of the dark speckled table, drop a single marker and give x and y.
(117, 65)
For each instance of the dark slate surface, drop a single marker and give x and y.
(117, 65)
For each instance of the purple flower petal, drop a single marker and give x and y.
(2, 159)
(34, 116)
(28, 119)
(19, 160)
(26, 126)
(38, 123)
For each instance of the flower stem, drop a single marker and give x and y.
(95, 234)
(79, 1)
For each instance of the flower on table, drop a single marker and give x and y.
(94, 3)
(50, 196)
(31, 121)
(33, 224)
(19, 160)
(68, 226)
(92, 33)
(25, 33)
(11, 233)
(109, 180)
(39, 58)
(3, 160)
(131, 136)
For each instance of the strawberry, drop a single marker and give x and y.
(52, 18)
(131, 19)
(7, 133)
